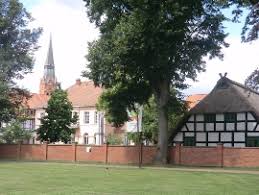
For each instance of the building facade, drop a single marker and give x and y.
(91, 127)
(228, 115)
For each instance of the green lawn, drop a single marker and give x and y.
(61, 178)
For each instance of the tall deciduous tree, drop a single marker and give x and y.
(56, 125)
(17, 44)
(252, 80)
(148, 46)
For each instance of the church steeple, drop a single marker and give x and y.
(49, 82)
(49, 67)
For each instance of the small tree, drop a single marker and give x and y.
(56, 125)
(113, 139)
(14, 132)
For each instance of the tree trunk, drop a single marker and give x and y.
(162, 98)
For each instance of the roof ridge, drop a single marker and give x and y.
(242, 86)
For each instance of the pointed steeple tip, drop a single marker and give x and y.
(50, 57)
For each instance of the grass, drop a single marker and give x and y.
(64, 178)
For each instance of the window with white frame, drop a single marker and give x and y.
(95, 117)
(86, 117)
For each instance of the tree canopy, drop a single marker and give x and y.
(17, 45)
(147, 47)
(57, 124)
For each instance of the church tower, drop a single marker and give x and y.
(49, 82)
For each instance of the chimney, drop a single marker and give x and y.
(78, 81)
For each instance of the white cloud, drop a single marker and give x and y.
(71, 30)
(240, 59)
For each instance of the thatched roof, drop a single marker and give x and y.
(229, 96)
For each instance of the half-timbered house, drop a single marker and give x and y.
(229, 114)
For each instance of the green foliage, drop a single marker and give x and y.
(146, 43)
(177, 109)
(56, 125)
(147, 47)
(17, 44)
(114, 139)
(252, 80)
(14, 132)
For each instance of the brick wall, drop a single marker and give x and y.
(179, 155)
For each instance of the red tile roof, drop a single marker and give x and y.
(194, 99)
(81, 94)
(84, 94)
(37, 101)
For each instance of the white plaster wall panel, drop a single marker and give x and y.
(213, 137)
(179, 137)
(209, 126)
(239, 137)
(257, 128)
(219, 126)
(251, 126)
(199, 126)
(227, 145)
(241, 126)
(241, 116)
(200, 137)
(252, 134)
(190, 126)
(38, 113)
(199, 117)
(219, 117)
(250, 116)
(184, 128)
(230, 126)
(191, 118)
(226, 137)
(239, 145)
(200, 144)
(212, 144)
(189, 134)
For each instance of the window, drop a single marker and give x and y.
(95, 117)
(86, 138)
(189, 141)
(252, 141)
(230, 117)
(86, 117)
(210, 118)
(28, 125)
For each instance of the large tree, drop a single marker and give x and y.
(17, 44)
(56, 125)
(148, 46)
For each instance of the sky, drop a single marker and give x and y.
(67, 22)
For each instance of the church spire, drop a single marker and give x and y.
(50, 58)
(49, 82)
(49, 68)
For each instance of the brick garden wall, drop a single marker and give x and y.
(179, 155)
